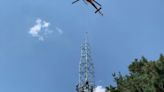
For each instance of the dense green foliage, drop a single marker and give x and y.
(144, 76)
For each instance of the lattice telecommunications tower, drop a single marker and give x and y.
(86, 69)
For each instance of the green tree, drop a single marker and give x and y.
(144, 76)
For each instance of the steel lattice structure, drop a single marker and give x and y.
(86, 69)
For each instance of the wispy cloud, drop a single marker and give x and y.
(99, 89)
(41, 29)
(59, 30)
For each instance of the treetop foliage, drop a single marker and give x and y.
(144, 76)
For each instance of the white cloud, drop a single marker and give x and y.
(45, 24)
(99, 89)
(41, 29)
(34, 31)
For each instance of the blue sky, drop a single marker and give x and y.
(129, 29)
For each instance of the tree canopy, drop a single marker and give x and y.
(144, 76)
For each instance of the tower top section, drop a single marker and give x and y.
(86, 68)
